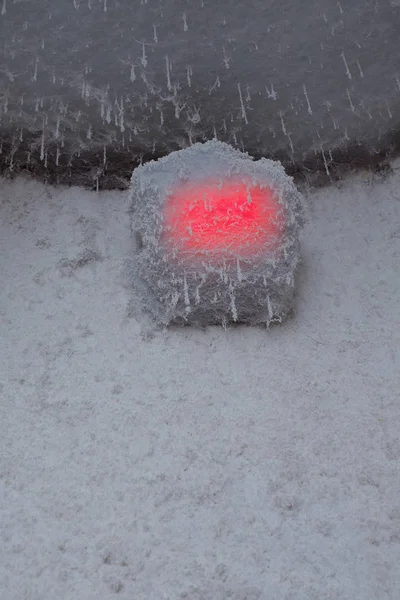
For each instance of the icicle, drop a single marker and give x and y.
(189, 74)
(270, 312)
(350, 100)
(233, 306)
(346, 66)
(244, 115)
(169, 86)
(42, 145)
(308, 101)
(186, 294)
(239, 270)
(144, 57)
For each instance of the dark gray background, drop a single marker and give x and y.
(88, 87)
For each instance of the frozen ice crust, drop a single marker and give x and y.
(216, 237)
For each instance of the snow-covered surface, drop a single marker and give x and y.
(199, 465)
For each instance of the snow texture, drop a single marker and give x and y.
(212, 286)
(87, 86)
(246, 464)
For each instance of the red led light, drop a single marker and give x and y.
(234, 216)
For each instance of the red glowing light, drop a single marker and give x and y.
(234, 216)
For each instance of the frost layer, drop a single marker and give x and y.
(179, 282)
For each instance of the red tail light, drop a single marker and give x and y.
(232, 217)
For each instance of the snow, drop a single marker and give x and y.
(187, 271)
(189, 464)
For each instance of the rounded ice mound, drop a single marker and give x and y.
(216, 237)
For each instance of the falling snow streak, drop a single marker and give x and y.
(242, 106)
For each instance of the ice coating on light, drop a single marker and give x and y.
(217, 237)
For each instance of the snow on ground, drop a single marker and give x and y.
(201, 465)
